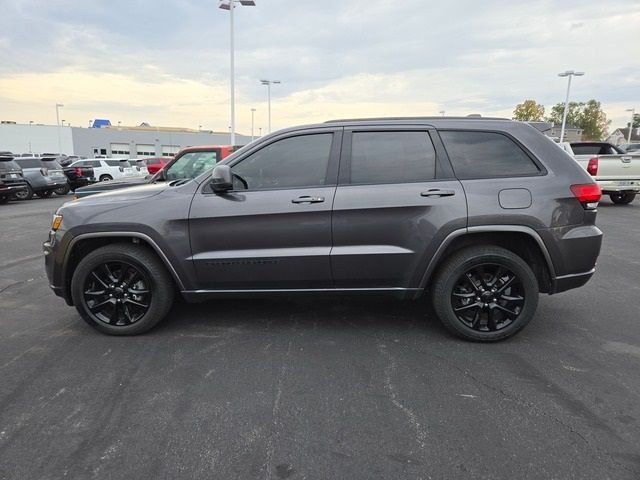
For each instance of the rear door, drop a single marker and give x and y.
(396, 201)
(273, 231)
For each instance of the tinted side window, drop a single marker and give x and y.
(392, 157)
(585, 149)
(486, 154)
(288, 163)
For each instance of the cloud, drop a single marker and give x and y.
(167, 61)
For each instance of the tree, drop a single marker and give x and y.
(587, 116)
(636, 121)
(529, 111)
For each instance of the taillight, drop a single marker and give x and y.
(78, 172)
(588, 194)
(44, 172)
(592, 167)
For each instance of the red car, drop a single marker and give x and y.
(155, 164)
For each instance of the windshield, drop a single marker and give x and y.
(29, 162)
(51, 164)
(192, 164)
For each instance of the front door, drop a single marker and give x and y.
(273, 230)
(396, 200)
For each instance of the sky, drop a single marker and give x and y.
(166, 62)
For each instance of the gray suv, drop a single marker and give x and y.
(477, 215)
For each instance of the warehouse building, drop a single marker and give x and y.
(103, 139)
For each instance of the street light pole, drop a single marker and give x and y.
(633, 116)
(253, 111)
(58, 106)
(268, 83)
(568, 73)
(230, 5)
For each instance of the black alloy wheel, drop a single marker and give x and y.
(488, 297)
(485, 293)
(117, 293)
(122, 289)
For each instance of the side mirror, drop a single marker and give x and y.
(221, 179)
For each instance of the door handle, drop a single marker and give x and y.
(308, 199)
(437, 192)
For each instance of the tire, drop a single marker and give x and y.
(623, 198)
(4, 200)
(62, 190)
(121, 313)
(45, 193)
(25, 194)
(106, 178)
(482, 305)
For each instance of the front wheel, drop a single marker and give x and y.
(122, 289)
(485, 294)
(106, 178)
(622, 198)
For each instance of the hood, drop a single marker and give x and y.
(126, 193)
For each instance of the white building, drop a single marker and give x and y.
(142, 141)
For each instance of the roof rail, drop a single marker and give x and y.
(374, 119)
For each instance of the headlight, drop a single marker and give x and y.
(57, 221)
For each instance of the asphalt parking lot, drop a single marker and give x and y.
(343, 388)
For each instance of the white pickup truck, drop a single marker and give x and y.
(617, 172)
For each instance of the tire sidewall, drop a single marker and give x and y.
(153, 315)
(529, 282)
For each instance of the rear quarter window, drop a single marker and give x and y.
(486, 155)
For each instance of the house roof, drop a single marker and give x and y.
(635, 133)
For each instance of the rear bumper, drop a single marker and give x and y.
(571, 281)
(11, 190)
(615, 186)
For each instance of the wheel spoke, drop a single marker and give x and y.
(512, 298)
(464, 295)
(510, 313)
(97, 277)
(506, 284)
(472, 281)
(491, 320)
(137, 304)
(467, 307)
(475, 323)
(115, 315)
(95, 292)
(99, 305)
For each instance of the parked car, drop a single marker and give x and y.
(617, 172)
(155, 164)
(106, 169)
(42, 178)
(140, 166)
(478, 214)
(631, 147)
(188, 163)
(11, 179)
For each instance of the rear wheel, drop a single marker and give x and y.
(122, 289)
(105, 178)
(622, 198)
(485, 294)
(26, 194)
(63, 190)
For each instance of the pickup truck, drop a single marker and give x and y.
(617, 172)
(76, 176)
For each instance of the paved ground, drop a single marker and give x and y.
(348, 388)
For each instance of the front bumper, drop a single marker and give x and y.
(53, 264)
